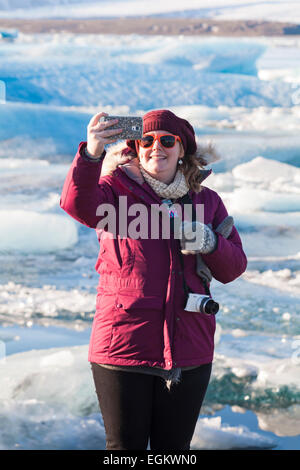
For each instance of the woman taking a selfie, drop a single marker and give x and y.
(152, 341)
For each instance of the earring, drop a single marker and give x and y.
(180, 162)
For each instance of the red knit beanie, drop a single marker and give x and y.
(165, 120)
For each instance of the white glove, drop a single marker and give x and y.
(224, 228)
(197, 238)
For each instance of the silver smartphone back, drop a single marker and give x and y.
(132, 126)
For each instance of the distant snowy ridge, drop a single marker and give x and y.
(275, 10)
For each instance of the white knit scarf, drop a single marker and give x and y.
(174, 190)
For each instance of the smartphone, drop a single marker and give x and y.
(132, 126)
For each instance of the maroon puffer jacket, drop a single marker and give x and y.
(140, 317)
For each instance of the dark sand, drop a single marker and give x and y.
(152, 25)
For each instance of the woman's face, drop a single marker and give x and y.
(161, 162)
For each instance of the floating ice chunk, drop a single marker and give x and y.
(8, 164)
(164, 85)
(245, 370)
(49, 407)
(13, 201)
(252, 200)
(208, 56)
(42, 374)
(284, 222)
(261, 118)
(210, 433)
(264, 169)
(286, 316)
(17, 174)
(238, 409)
(282, 422)
(238, 333)
(218, 333)
(283, 279)
(262, 378)
(28, 231)
(277, 243)
(270, 372)
(19, 304)
(58, 359)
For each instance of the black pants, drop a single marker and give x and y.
(136, 407)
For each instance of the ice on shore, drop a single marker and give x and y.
(212, 434)
(26, 306)
(50, 403)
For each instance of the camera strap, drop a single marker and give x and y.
(186, 199)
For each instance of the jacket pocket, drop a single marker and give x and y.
(137, 331)
(127, 301)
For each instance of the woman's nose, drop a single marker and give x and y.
(156, 144)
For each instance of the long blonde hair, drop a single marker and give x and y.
(193, 165)
(192, 172)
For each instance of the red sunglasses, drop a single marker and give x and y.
(166, 140)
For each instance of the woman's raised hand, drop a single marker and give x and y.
(99, 135)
